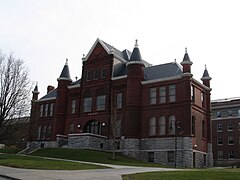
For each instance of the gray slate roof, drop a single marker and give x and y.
(65, 72)
(51, 94)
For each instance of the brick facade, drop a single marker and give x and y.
(161, 113)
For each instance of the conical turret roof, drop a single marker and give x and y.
(65, 74)
(186, 59)
(136, 55)
(206, 74)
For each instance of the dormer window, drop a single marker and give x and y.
(104, 73)
(96, 74)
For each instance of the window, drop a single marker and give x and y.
(87, 105)
(162, 93)
(104, 73)
(118, 128)
(119, 100)
(203, 129)
(170, 156)
(71, 128)
(230, 127)
(39, 132)
(101, 100)
(162, 125)
(219, 127)
(51, 109)
(230, 140)
(41, 110)
(192, 93)
(153, 95)
(73, 110)
(152, 126)
(171, 124)
(89, 75)
(96, 74)
(202, 99)
(46, 110)
(230, 154)
(219, 154)
(150, 156)
(193, 125)
(219, 114)
(239, 126)
(44, 132)
(238, 112)
(49, 129)
(219, 141)
(229, 113)
(93, 127)
(172, 93)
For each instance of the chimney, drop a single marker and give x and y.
(50, 88)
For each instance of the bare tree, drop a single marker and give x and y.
(14, 92)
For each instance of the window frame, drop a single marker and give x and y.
(172, 93)
(87, 104)
(153, 96)
(101, 102)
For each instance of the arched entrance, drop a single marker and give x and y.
(93, 127)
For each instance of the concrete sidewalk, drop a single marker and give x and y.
(99, 174)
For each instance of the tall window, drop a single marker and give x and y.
(171, 124)
(202, 99)
(192, 93)
(87, 104)
(231, 154)
(219, 127)
(49, 129)
(101, 100)
(153, 95)
(238, 112)
(193, 125)
(219, 114)
(220, 154)
(103, 73)
(119, 100)
(93, 127)
(73, 110)
(89, 75)
(203, 129)
(230, 140)
(46, 110)
(51, 109)
(239, 126)
(172, 93)
(219, 141)
(44, 132)
(152, 126)
(39, 132)
(41, 110)
(230, 127)
(162, 125)
(96, 74)
(229, 113)
(162, 93)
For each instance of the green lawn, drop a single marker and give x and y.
(224, 174)
(40, 163)
(91, 156)
(10, 150)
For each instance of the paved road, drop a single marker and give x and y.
(99, 174)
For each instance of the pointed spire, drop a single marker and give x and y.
(36, 88)
(136, 55)
(206, 74)
(186, 59)
(65, 74)
(35, 92)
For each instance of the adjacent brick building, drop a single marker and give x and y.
(155, 113)
(226, 131)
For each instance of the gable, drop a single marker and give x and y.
(97, 52)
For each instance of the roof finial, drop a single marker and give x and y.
(205, 67)
(66, 61)
(185, 50)
(136, 43)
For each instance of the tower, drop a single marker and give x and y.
(135, 74)
(186, 63)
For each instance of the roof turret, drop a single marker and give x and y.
(206, 74)
(186, 59)
(36, 89)
(136, 55)
(65, 74)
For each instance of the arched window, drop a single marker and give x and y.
(49, 129)
(44, 132)
(152, 126)
(71, 129)
(193, 125)
(171, 124)
(162, 125)
(93, 127)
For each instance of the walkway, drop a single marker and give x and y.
(99, 174)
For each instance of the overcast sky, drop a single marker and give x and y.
(44, 33)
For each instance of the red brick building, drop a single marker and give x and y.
(156, 113)
(226, 131)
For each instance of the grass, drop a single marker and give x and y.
(10, 150)
(40, 163)
(223, 174)
(91, 156)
